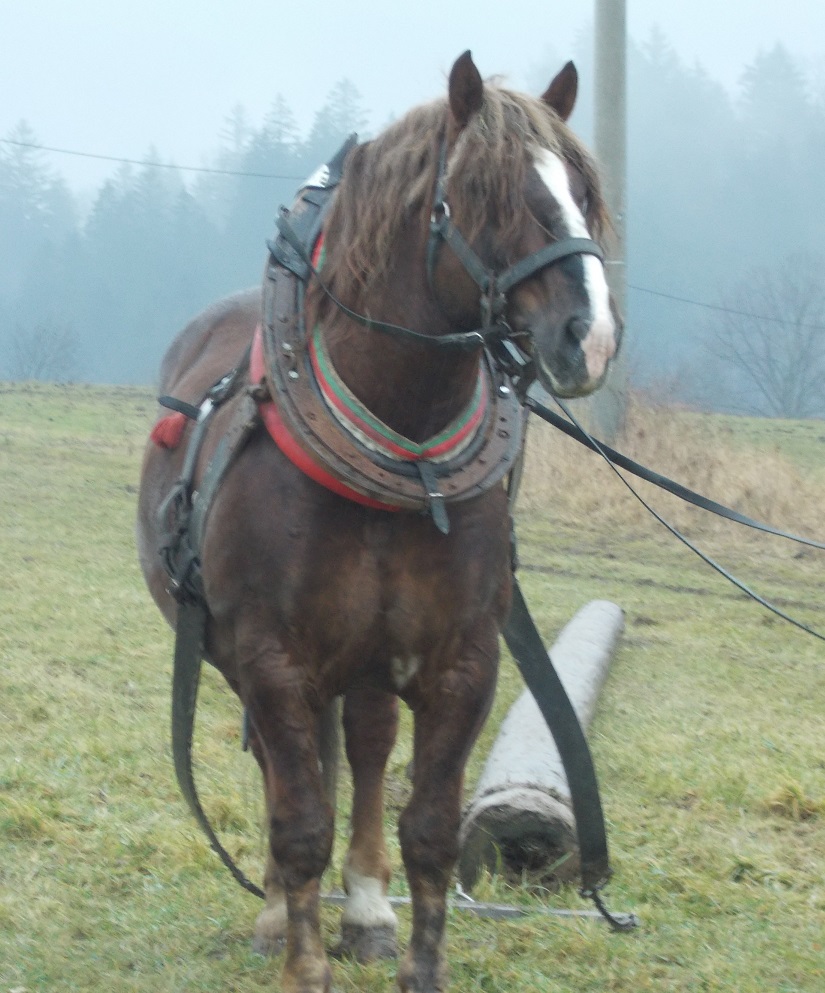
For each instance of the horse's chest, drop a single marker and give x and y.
(401, 600)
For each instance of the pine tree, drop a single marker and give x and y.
(341, 115)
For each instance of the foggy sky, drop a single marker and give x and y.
(117, 79)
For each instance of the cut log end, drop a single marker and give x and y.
(522, 835)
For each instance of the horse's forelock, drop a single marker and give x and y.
(494, 152)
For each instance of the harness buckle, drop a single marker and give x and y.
(440, 212)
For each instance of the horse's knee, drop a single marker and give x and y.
(429, 841)
(301, 843)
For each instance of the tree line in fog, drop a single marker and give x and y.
(726, 305)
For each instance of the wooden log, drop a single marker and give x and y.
(520, 820)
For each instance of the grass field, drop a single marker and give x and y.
(709, 741)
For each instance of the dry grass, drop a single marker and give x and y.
(712, 455)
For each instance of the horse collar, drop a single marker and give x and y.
(377, 436)
(328, 434)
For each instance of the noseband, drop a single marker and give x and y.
(493, 286)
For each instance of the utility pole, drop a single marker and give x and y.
(610, 403)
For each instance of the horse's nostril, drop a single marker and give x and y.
(577, 328)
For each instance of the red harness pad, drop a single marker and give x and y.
(168, 431)
(293, 451)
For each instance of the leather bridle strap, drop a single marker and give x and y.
(494, 286)
(554, 252)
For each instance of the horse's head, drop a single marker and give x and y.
(524, 196)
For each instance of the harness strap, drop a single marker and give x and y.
(245, 417)
(527, 648)
(183, 562)
(180, 406)
(189, 644)
(181, 558)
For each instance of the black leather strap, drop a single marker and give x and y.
(180, 406)
(544, 257)
(608, 453)
(435, 498)
(527, 648)
(189, 643)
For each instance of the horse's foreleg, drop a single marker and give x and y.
(277, 695)
(269, 937)
(447, 722)
(271, 926)
(368, 924)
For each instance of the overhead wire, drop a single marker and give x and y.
(147, 162)
(267, 175)
(723, 309)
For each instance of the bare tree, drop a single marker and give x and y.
(44, 352)
(769, 333)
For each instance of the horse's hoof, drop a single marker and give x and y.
(366, 944)
(267, 945)
(269, 938)
(426, 974)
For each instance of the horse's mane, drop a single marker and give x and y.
(390, 180)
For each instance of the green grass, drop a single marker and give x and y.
(709, 742)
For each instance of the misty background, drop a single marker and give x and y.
(104, 261)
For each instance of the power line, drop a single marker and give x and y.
(144, 162)
(724, 310)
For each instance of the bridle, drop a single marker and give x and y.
(494, 286)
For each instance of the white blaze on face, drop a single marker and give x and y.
(599, 345)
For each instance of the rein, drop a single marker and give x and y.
(573, 429)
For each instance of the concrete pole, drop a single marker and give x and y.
(520, 817)
(609, 404)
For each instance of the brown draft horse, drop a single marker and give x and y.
(312, 596)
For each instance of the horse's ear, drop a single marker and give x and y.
(561, 93)
(466, 89)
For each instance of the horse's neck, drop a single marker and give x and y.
(416, 389)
